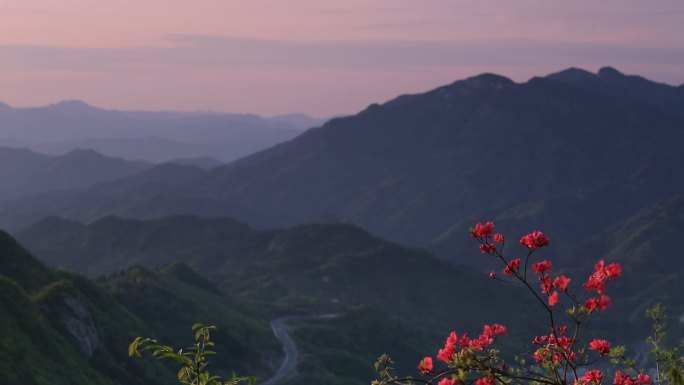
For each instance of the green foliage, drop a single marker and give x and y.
(37, 347)
(192, 360)
(169, 299)
(342, 348)
(669, 361)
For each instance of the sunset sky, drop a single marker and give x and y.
(318, 57)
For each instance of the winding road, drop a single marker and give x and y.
(282, 333)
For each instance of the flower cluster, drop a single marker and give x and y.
(454, 344)
(624, 379)
(554, 348)
(534, 240)
(597, 282)
(542, 267)
(592, 377)
(425, 366)
(482, 231)
(560, 356)
(597, 303)
(601, 346)
(602, 274)
(512, 266)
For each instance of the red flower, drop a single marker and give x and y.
(597, 281)
(545, 283)
(482, 230)
(540, 340)
(641, 379)
(492, 274)
(597, 303)
(553, 299)
(534, 240)
(487, 247)
(561, 283)
(494, 330)
(621, 380)
(562, 329)
(464, 341)
(512, 266)
(481, 341)
(644, 378)
(445, 354)
(498, 238)
(601, 346)
(593, 377)
(613, 270)
(447, 381)
(485, 381)
(425, 365)
(541, 267)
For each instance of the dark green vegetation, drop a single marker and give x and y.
(112, 244)
(325, 267)
(61, 328)
(649, 246)
(47, 338)
(383, 291)
(338, 351)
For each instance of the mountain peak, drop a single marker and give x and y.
(83, 153)
(572, 74)
(610, 72)
(488, 81)
(71, 106)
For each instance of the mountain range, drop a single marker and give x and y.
(141, 135)
(573, 152)
(592, 159)
(25, 173)
(379, 291)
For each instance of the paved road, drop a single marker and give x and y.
(282, 333)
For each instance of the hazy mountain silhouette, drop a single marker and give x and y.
(204, 162)
(24, 172)
(573, 152)
(142, 135)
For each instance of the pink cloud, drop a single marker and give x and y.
(247, 56)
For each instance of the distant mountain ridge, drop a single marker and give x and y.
(572, 153)
(593, 160)
(153, 136)
(25, 173)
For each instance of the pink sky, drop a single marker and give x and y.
(314, 56)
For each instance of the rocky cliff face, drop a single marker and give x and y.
(72, 313)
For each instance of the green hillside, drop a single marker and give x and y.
(62, 328)
(172, 299)
(58, 328)
(308, 269)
